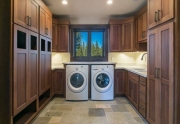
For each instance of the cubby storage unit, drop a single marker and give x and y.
(44, 98)
(27, 114)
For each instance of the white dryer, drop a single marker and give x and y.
(102, 82)
(77, 82)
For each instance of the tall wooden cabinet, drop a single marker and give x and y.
(160, 75)
(26, 14)
(159, 11)
(25, 68)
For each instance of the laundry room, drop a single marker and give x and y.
(90, 62)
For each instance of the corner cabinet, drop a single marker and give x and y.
(159, 11)
(26, 14)
(122, 35)
(160, 85)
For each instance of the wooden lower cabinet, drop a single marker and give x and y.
(143, 96)
(120, 81)
(58, 82)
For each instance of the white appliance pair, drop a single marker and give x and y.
(102, 82)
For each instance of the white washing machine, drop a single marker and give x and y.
(77, 82)
(102, 82)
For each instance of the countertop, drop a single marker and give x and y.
(141, 72)
(135, 69)
(89, 63)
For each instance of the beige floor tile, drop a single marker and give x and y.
(55, 120)
(108, 110)
(103, 106)
(89, 120)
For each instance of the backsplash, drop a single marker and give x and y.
(122, 58)
(128, 58)
(59, 58)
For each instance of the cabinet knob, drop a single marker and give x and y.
(155, 17)
(159, 14)
(27, 20)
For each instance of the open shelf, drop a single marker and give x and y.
(44, 98)
(26, 114)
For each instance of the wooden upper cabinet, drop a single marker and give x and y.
(54, 38)
(127, 37)
(159, 11)
(115, 38)
(63, 38)
(142, 28)
(45, 24)
(26, 14)
(21, 16)
(33, 16)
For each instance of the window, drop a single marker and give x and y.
(89, 44)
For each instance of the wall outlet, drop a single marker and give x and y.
(112, 58)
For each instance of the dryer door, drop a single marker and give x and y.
(77, 82)
(102, 81)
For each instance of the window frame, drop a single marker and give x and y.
(89, 29)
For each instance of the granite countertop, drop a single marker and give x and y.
(89, 63)
(135, 69)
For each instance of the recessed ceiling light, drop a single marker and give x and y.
(64, 2)
(109, 2)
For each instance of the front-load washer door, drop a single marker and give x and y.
(77, 82)
(102, 81)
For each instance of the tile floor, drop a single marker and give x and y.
(118, 111)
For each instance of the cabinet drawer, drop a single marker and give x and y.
(142, 107)
(133, 76)
(142, 88)
(142, 95)
(143, 80)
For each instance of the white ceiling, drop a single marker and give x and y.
(94, 11)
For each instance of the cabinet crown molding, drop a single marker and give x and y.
(121, 21)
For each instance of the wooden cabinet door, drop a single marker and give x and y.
(33, 15)
(48, 63)
(42, 64)
(165, 75)
(165, 10)
(153, 6)
(119, 82)
(33, 66)
(43, 29)
(135, 93)
(48, 26)
(58, 81)
(127, 37)
(151, 87)
(63, 38)
(115, 38)
(21, 12)
(20, 73)
(142, 27)
(54, 38)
